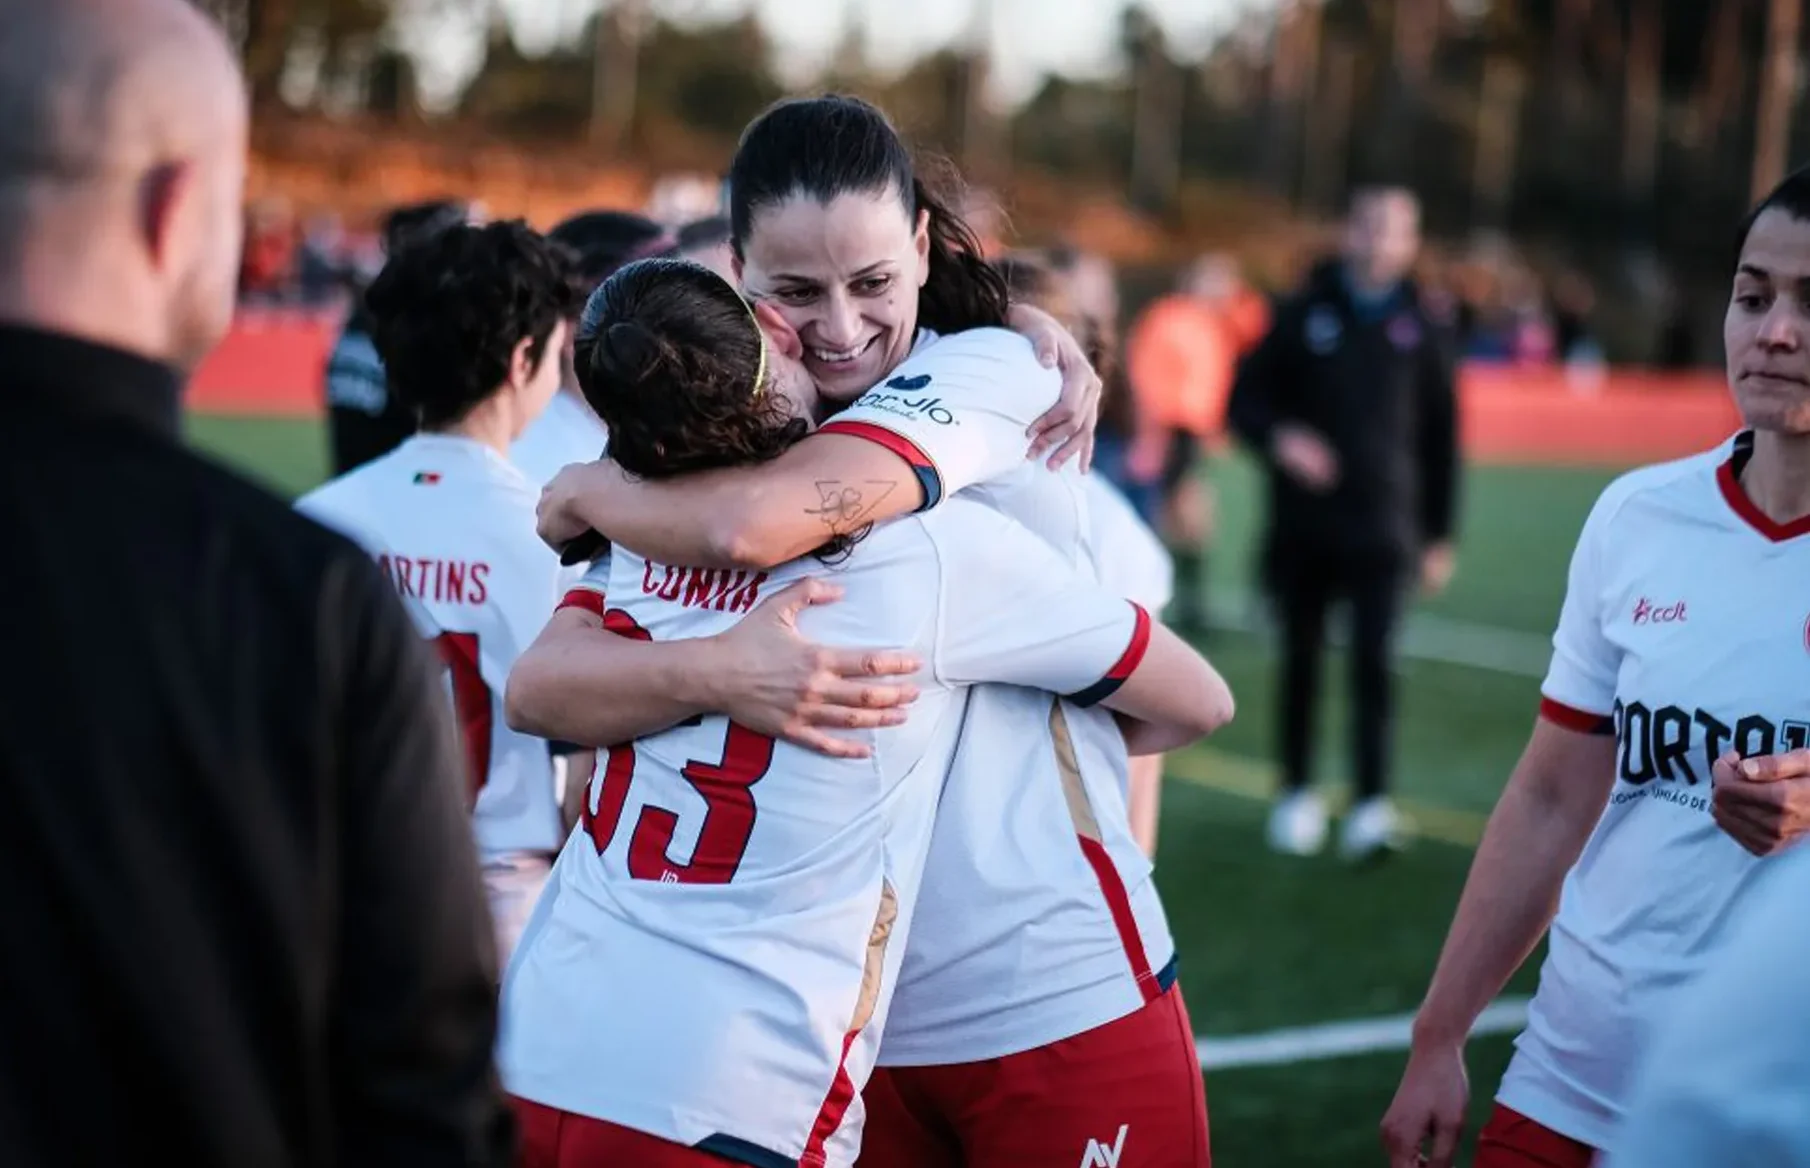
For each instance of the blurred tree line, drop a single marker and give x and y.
(1605, 127)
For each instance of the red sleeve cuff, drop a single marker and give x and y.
(588, 599)
(1572, 718)
(928, 477)
(1124, 667)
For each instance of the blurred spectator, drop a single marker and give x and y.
(364, 421)
(322, 261)
(606, 240)
(267, 265)
(1181, 356)
(683, 197)
(706, 241)
(567, 431)
(1349, 399)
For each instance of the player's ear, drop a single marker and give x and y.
(521, 363)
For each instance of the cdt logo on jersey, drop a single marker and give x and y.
(1101, 1155)
(1648, 613)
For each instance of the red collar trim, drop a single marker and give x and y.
(1738, 502)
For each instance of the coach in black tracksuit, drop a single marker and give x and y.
(1349, 400)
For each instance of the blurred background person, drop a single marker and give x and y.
(568, 431)
(1181, 356)
(364, 420)
(240, 918)
(1349, 401)
(706, 241)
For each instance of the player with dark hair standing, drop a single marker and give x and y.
(1645, 809)
(470, 322)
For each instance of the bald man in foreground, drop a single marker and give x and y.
(240, 917)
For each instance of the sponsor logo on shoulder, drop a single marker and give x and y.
(903, 396)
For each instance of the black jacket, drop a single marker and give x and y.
(240, 916)
(1376, 384)
(364, 419)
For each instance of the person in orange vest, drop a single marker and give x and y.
(1182, 355)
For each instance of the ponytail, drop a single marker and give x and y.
(963, 290)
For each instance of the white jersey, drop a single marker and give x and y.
(1679, 635)
(565, 432)
(1038, 918)
(1726, 1079)
(451, 522)
(711, 963)
(1131, 558)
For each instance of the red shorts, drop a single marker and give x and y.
(558, 1139)
(1511, 1140)
(1124, 1095)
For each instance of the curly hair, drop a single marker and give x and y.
(448, 310)
(666, 354)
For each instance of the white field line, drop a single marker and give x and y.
(1299, 1044)
(1424, 637)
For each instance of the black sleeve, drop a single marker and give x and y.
(1263, 380)
(416, 994)
(1438, 432)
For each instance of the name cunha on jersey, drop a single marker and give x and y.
(438, 580)
(717, 589)
(1664, 750)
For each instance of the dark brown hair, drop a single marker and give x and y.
(666, 354)
(834, 145)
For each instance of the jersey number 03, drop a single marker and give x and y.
(726, 786)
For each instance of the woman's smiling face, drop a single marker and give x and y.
(845, 274)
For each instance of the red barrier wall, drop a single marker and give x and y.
(273, 364)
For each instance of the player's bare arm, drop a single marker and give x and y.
(1173, 697)
(1534, 836)
(581, 683)
(755, 517)
(1067, 428)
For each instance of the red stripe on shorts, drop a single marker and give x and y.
(835, 1108)
(1119, 901)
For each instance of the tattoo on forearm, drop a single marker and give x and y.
(844, 507)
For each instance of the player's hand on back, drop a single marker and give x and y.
(777, 683)
(1067, 428)
(1763, 803)
(1426, 1118)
